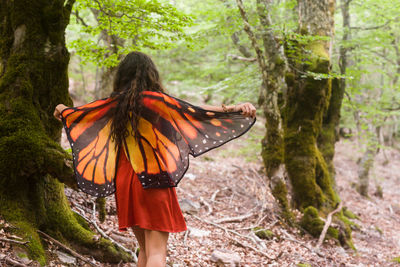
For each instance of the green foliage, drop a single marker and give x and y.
(139, 23)
(373, 92)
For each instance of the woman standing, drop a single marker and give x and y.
(137, 142)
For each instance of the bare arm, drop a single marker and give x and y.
(246, 109)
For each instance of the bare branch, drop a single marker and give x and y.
(327, 224)
(248, 59)
(79, 18)
(372, 27)
(74, 253)
(238, 234)
(236, 218)
(290, 238)
(13, 241)
(247, 28)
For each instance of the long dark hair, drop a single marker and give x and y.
(135, 73)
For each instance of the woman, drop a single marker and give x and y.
(151, 211)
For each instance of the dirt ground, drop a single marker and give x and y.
(225, 184)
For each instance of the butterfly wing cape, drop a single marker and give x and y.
(169, 129)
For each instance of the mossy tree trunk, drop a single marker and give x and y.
(271, 99)
(33, 80)
(307, 102)
(330, 125)
(272, 66)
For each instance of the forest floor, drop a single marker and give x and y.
(224, 184)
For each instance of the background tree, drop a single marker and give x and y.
(371, 71)
(104, 31)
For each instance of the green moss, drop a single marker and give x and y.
(346, 225)
(81, 221)
(22, 255)
(379, 230)
(313, 224)
(13, 211)
(311, 221)
(34, 247)
(324, 181)
(396, 259)
(304, 265)
(279, 191)
(263, 233)
(101, 207)
(349, 214)
(63, 224)
(319, 51)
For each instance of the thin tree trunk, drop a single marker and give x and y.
(34, 79)
(366, 162)
(105, 75)
(272, 74)
(272, 143)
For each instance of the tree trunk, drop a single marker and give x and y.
(33, 80)
(272, 143)
(330, 125)
(366, 162)
(105, 74)
(307, 102)
(272, 74)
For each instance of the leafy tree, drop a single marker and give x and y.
(105, 31)
(369, 58)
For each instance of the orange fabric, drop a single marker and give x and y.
(152, 208)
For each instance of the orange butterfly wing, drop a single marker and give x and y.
(169, 130)
(94, 156)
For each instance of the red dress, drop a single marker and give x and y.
(152, 208)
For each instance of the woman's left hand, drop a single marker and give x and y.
(247, 109)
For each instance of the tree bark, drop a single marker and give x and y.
(306, 103)
(33, 80)
(272, 67)
(330, 125)
(104, 74)
(270, 99)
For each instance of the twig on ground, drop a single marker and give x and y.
(13, 241)
(257, 239)
(214, 195)
(14, 262)
(238, 234)
(104, 235)
(235, 219)
(209, 207)
(109, 238)
(185, 237)
(255, 249)
(290, 238)
(326, 226)
(74, 253)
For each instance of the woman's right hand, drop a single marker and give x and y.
(57, 111)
